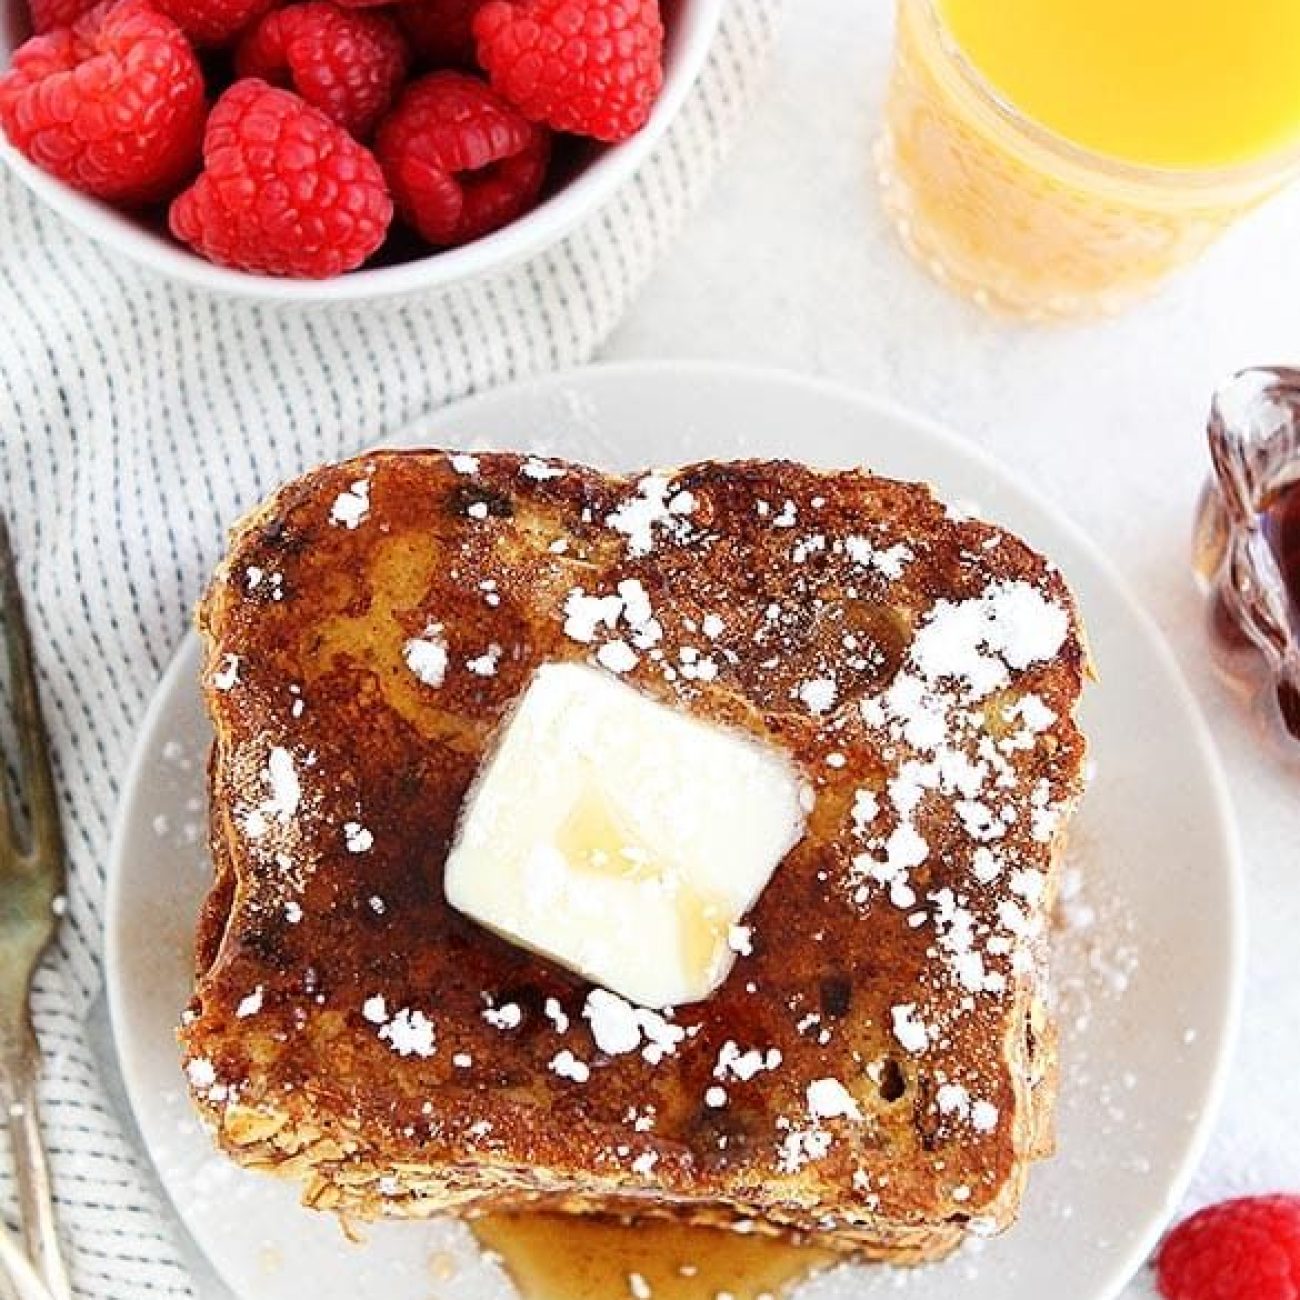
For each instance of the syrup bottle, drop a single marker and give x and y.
(1247, 541)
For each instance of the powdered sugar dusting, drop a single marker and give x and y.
(568, 1066)
(281, 805)
(830, 1099)
(409, 1033)
(961, 652)
(889, 562)
(357, 838)
(618, 1027)
(250, 1005)
(1012, 625)
(911, 1033)
(539, 471)
(656, 508)
(426, 655)
(617, 656)
(509, 1015)
(485, 665)
(352, 506)
(584, 615)
(818, 695)
(227, 676)
(734, 1063)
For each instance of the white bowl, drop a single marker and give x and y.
(690, 28)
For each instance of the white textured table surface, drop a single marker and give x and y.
(791, 264)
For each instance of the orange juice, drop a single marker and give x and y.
(1057, 157)
(1161, 83)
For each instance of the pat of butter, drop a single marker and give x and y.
(622, 838)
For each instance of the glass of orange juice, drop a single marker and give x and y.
(1056, 158)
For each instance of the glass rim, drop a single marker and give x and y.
(1259, 171)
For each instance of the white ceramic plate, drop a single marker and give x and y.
(1148, 966)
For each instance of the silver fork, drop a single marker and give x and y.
(31, 882)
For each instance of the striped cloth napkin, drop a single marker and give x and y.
(137, 419)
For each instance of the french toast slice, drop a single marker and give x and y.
(350, 1030)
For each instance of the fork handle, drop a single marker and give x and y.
(35, 1190)
(8, 1282)
(18, 1280)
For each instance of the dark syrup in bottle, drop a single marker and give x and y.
(1281, 525)
(1281, 522)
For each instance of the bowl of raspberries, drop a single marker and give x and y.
(338, 149)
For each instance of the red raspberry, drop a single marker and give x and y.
(461, 162)
(593, 67)
(1247, 1249)
(349, 65)
(284, 190)
(112, 105)
(441, 32)
(213, 22)
(49, 14)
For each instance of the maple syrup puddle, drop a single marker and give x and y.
(574, 1257)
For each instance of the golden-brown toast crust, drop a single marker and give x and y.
(913, 985)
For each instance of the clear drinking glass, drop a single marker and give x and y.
(1018, 218)
(1246, 548)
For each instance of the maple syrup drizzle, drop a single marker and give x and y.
(573, 1257)
(596, 839)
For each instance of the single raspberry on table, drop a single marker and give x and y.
(348, 64)
(49, 14)
(1247, 1249)
(459, 160)
(213, 23)
(593, 67)
(441, 32)
(283, 191)
(113, 105)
